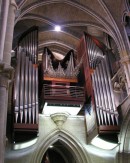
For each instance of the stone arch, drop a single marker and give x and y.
(71, 143)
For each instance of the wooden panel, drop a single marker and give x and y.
(109, 129)
(60, 79)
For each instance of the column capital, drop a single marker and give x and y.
(125, 59)
(6, 74)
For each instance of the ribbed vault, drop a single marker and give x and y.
(74, 17)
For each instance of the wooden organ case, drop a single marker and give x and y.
(25, 100)
(100, 110)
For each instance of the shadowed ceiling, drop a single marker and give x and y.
(96, 17)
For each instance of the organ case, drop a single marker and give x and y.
(25, 100)
(101, 112)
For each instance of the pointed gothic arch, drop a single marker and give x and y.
(66, 138)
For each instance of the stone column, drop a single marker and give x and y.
(3, 23)
(5, 76)
(9, 33)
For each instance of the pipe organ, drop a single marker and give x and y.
(98, 86)
(26, 83)
(65, 68)
(60, 84)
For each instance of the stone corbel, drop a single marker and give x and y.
(59, 118)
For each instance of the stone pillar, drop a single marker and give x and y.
(3, 23)
(5, 75)
(9, 33)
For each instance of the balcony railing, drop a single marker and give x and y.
(71, 94)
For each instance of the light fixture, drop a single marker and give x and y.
(57, 28)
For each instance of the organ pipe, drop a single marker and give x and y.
(26, 80)
(96, 99)
(102, 87)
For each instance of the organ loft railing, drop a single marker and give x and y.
(101, 112)
(25, 100)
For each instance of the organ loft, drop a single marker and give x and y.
(64, 81)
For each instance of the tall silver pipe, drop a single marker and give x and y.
(116, 117)
(110, 85)
(96, 98)
(17, 88)
(30, 91)
(103, 86)
(97, 79)
(26, 88)
(106, 84)
(37, 105)
(33, 95)
(95, 57)
(22, 85)
(89, 49)
(29, 36)
(103, 92)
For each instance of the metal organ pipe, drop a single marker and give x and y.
(33, 94)
(36, 95)
(100, 94)
(22, 86)
(103, 92)
(109, 80)
(26, 83)
(109, 105)
(26, 88)
(98, 105)
(30, 91)
(113, 109)
(17, 89)
(96, 98)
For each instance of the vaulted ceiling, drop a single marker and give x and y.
(96, 17)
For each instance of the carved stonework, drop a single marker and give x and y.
(120, 86)
(59, 118)
(6, 74)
